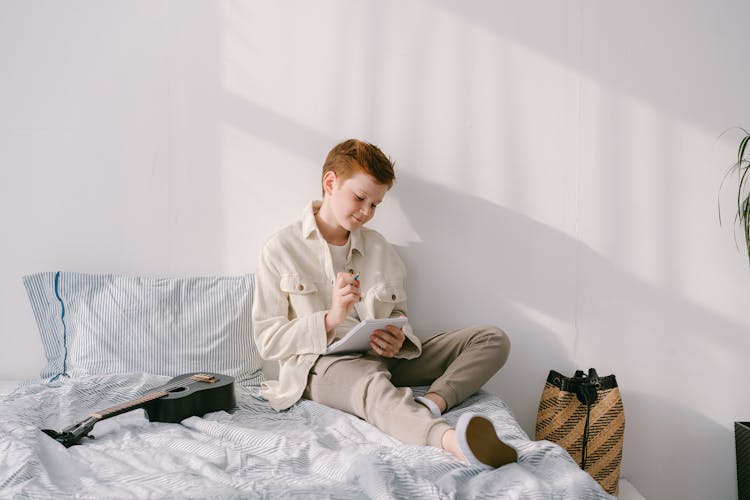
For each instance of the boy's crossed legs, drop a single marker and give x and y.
(454, 364)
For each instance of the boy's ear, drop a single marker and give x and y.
(329, 178)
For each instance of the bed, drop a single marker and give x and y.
(249, 451)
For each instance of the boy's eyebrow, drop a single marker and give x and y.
(363, 194)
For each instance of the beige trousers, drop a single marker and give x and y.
(454, 364)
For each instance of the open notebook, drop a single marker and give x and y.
(358, 338)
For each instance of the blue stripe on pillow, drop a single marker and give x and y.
(64, 328)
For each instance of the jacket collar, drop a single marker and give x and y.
(310, 227)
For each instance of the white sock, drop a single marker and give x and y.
(433, 407)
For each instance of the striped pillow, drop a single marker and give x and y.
(93, 324)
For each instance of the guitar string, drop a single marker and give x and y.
(158, 392)
(161, 392)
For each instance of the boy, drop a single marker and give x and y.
(320, 276)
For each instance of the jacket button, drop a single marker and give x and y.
(300, 287)
(393, 297)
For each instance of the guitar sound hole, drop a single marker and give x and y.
(178, 389)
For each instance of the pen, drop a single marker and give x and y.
(356, 277)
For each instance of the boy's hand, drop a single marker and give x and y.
(345, 295)
(388, 342)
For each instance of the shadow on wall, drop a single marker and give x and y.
(477, 262)
(680, 441)
(559, 300)
(612, 55)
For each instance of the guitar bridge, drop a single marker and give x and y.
(202, 377)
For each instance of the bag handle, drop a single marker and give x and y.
(592, 375)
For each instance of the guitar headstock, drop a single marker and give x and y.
(65, 438)
(203, 377)
(73, 434)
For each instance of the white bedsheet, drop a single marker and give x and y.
(7, 386)
(309, 451)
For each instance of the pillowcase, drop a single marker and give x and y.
(95, 324)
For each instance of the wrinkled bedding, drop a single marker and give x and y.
(308, 451)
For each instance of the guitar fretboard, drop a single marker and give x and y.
(140, 401)
(133, 403)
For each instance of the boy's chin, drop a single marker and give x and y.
(353, 224)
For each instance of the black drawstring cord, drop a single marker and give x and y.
(585, 435)
(588, 394)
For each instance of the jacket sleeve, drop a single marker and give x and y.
(276, 334)
(412, 347)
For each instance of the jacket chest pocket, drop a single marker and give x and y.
(385, 298)
(304, 295)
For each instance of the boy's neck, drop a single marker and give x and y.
(329, 228)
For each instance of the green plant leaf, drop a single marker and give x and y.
(742, 165)
(741, 188)
(721, 187)
(741, 148)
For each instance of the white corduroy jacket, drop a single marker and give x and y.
(294, 283)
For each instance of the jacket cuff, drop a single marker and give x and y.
(412, 347)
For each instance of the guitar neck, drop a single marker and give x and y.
(129, 405)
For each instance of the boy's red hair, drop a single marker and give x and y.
(352, 155)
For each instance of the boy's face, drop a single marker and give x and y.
(355, 199)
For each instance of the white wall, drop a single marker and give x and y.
(557, 165)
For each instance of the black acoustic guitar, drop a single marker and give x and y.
(182, 397)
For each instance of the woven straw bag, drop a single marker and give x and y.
(584, 415)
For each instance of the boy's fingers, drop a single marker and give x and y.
(343, 279)
(385, 338)
(395, 335)
(382, 350)
(395, 331)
